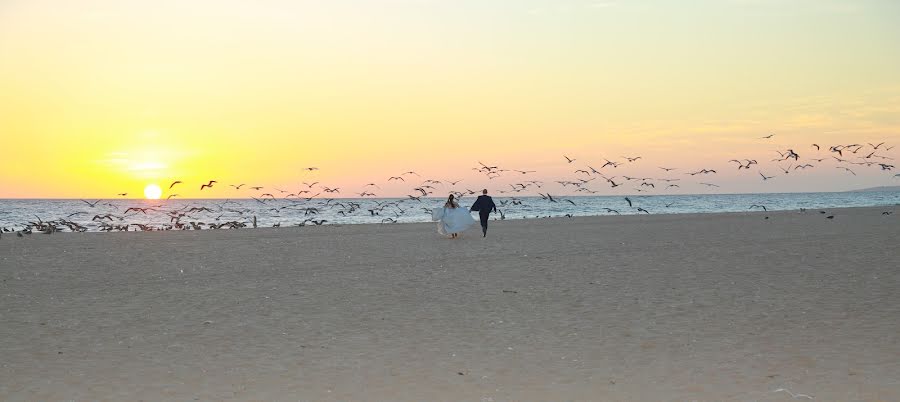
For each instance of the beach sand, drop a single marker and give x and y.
(651, 307)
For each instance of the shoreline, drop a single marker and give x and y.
(495, 219)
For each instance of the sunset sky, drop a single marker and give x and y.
(106, 97)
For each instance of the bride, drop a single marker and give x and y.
(452, 219)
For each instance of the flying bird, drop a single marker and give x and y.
(210, 184)
(847, 169)
(570, 160)
(174, 183)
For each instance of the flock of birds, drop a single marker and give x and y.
(312, 198)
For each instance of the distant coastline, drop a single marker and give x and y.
(876, 189)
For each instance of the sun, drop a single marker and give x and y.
(152, 192)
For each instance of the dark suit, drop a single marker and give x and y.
(484, 205)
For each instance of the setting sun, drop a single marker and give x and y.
(152, 192)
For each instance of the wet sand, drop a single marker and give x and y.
(677, 307)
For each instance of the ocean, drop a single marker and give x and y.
(113, 214)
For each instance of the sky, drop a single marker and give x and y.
(101, 97)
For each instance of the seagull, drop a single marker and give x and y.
(122, 194)
(91, 204)
(847, 169)
(569, 159)
(238, 187)
(210, 184)
(765, 177)
(759, 206)
(668, 169)
(628, 200)
(767, 137)
(174, 183)
(311, 168)
(643, 210)
(817, 146)
(396, 178)
(710, 184)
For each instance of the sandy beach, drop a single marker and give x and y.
(639, 308)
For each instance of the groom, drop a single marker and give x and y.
(484, 205)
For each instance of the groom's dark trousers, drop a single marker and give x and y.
(484, 215)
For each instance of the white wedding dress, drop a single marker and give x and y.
(452, 220)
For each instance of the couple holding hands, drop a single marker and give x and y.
(452, 219)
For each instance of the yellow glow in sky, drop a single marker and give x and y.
(105, 97)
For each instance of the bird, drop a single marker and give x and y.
(765, 177)
(237, 187)
(628, 200)
(847, 169)
(767, 137)
(122, 194)
(817, 146)
(396, 178)
(643, 210)
(174, 183)
(91, 204)
(210, 184)
(763, 207)
(668, 169)
(710, 185)
(570, 160)
(171, 196)
(311, 168)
